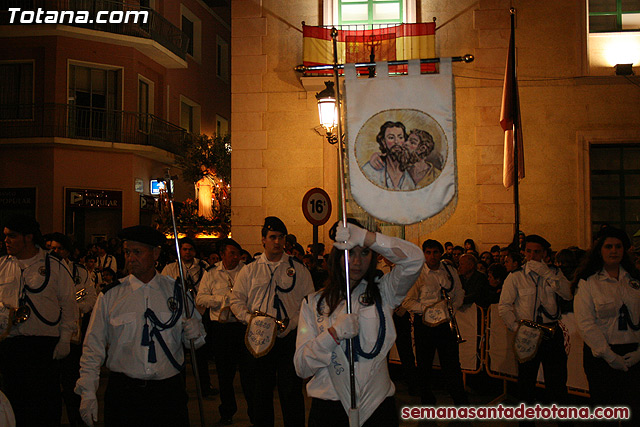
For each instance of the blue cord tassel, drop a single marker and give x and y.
(622, 320)
(152, 352)
(145, 335)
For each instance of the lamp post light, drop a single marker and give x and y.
(327, 111)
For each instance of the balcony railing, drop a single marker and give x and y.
(70, 121)
(157, 27)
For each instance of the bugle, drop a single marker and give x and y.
(282, 324)
(548, 329)
(81, 294)
(453, 324)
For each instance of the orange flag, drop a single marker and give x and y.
(510, 115)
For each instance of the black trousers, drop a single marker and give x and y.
(138, 403)
(277, 368)
(231, 355)
(404, 344)
(553, 357)
(429, 340)
(331, 413)
(611, 387)
(31, 380)
(69, 374)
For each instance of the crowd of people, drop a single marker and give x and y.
(65, 313)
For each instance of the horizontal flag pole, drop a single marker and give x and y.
(303, 68)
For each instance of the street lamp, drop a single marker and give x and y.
(327, 111)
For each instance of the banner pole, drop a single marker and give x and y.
(192, 346)
(303, 68)
(353, 413)
(516, 126)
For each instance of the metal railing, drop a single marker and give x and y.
(71, 121)
(157, 27)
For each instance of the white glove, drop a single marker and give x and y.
(5, 319)
(541, 269)
(89, 410)
(346, 326)
(349, 237)
(632, 358)
(62, 350)
(191, 328)
(618, 363)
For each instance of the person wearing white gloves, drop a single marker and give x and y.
(226, 331)
(275, 284)
(139, 327)
(530, 293)
(607, 310)
(437, 281)
(36, 282)
(324, 328)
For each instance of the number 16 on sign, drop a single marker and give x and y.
(316, 207)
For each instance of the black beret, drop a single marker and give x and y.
(23, 224)
(534, 238)
(616, 233)
(228, 242)
(143, 234)
(273, 223)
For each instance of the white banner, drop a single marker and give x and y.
(401, 142)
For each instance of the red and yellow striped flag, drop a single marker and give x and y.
(393, 43)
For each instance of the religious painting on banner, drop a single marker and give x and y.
(401, 142)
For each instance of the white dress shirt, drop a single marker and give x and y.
(597, 305)
(255, 289)
(314, 344)
(116, 330)
(427, 290)
(107, 261)
(216, 288)
(194, 271)
(525, 290)
(56, 300)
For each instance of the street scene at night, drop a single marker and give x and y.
(319, 212)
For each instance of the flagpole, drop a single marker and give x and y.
(353, 412)
(192, 348)
(516, 124)
(304, 68)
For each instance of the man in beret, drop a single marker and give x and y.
(139, 327)
(529, 293)
(275, 284)
(38, 285)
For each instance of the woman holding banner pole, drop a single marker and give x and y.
(607, 310)
(325, 327)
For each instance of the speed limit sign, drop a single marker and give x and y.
(316, 206)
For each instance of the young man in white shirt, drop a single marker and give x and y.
(37, 287)
(226, 331)
(436, 280)
(530, 293)
(275, 284)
